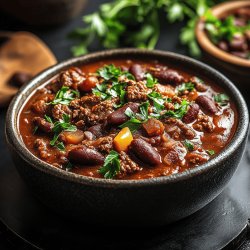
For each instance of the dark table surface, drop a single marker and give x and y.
(55, 38)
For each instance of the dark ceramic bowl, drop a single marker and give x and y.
(153, 201)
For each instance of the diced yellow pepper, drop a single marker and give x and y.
(123, 140)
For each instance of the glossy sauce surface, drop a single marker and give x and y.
(208, 136)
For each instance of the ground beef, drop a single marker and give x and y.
(89, 101)
(198, 83)
(72, 77)
(59, 110)
(104, 144)
(195, 158)
(137, 91)
(41, 146)
(40, 106)
(128, 166)
(203, 124)
(179, 130)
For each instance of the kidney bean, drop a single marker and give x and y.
(137, 71)
(168, 76)
(19, 78)
(118, 117)
(238, 43)
(199, 84)
(88, 84)
(96, 130)
(207, 104)
(88, 135)
(145, 152)
(191, 114)
(42, 124)
(85, 156)
(223, 45)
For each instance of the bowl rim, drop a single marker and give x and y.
(16, 144)
(206, 44)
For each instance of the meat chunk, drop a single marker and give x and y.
(165, 90)
(153, 127)
(103, 144)
(137, 91)
(128, 166)
(195, 158)
(203, 124)
(59, 110)
(41, 146)
(179, 130)
(40, 106)
(72, 77)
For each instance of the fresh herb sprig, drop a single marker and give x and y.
(185, 86)
(111, 166)
(222, 99)
(64, 96)
(137, 23)
(58, 127)
(189, 145)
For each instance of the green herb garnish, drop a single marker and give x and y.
(151, 81)
(136, 23)
(65, 95)
(136, 119)
(58, 127)
(221, 99)
(158, 101)
(35, 129)
(185, 86)
(189, 145)
(210, 151)
(179, 111)
(111, 166)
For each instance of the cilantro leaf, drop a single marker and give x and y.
(180, 110)
(189, 145)
(221, 99)
(65, 95)
(111, 166)
(210, 151)
(185, 86)
(151, 81)
(158, 100)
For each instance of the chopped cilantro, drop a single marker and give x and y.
(221, 99)
(64, 96)
(58, 127)
(35, 129)
(185, 86)
(111, 166)
(180, 110)
(158, 100)
(151, 81)
(60, 146)
(189, 145)
(210, 151)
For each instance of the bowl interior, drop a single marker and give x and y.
(178, 61)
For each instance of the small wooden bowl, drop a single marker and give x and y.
(235, 67)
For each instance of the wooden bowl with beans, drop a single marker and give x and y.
(223, 34)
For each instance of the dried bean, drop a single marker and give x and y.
(85, 156)
(96, 130)
(207, 104)
(137, 71)
(145, 152)
(42, 124)
(118, 117)
(168, 76)
(191, 114)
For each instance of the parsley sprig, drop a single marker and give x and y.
(137, 23)
(185, 86)
(222, 99)
(111, 166)
(65, 95)
(58, 127)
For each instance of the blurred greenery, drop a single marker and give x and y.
(136, 23)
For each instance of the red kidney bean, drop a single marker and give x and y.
(88, 84)
(191, 114)
(145, 152)
(42, 124)
(223, 45)
(88, 135)
(168, 76)
(96, 130)
(85, 156)
(199, 84)
(137, 71)
(238, 43)
(207, 104)
(19, 78)
(118, 117)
